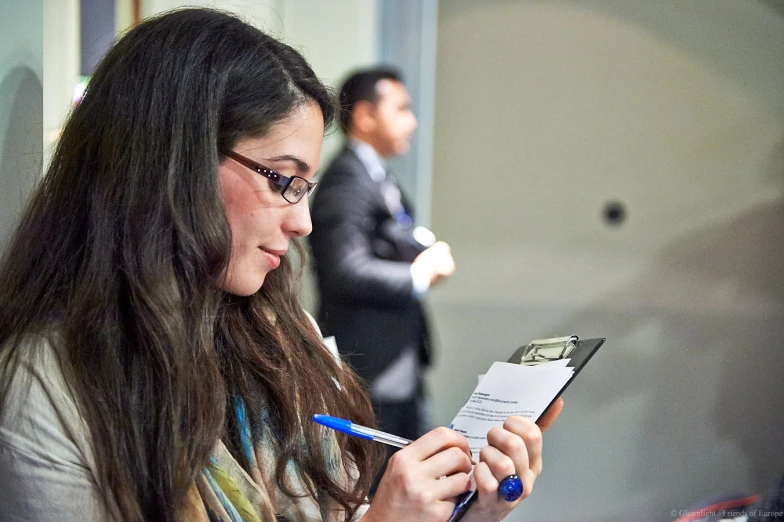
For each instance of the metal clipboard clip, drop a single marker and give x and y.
(545, 350)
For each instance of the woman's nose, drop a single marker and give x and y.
(298, 221)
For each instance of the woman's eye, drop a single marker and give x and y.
(274, 186)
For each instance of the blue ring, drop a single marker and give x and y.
(511, 488)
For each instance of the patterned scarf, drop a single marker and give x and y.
(225, 492)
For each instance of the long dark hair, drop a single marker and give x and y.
(120, 249)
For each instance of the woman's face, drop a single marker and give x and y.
(262, 222)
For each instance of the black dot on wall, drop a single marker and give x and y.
(614, 213)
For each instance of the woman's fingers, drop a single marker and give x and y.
(509, 442)
(499, 464)
(438, 462)
(551, 414)
(486, 482)
(436, 441)
(422, 480)
(490, 505)
(447, 462)
(530, 436)
(447, 488)
(515, 449)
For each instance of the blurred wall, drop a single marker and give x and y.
(545, 112)
(61, 66)
(21, 106)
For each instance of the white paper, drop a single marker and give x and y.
(557, 362)
(332, 346)
(508, 389)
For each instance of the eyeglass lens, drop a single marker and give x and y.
(296, 189)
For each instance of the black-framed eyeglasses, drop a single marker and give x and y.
(293, 188)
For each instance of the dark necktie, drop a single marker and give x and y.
(394, 200)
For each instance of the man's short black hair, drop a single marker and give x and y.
(361, 86)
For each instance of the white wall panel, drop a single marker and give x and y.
(61, 66)
(21, 106)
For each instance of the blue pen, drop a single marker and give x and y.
(350, 428)
(356, 430)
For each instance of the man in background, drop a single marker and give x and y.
(372, 265)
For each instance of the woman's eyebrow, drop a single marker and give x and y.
(301, 165)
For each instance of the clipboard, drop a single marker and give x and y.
(541, 351)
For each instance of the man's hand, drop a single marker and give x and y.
(436, 261)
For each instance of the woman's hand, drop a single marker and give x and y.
(422, 480)
(515, 449)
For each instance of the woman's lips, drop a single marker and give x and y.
(273, 258)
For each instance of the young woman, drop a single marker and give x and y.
(155, 362)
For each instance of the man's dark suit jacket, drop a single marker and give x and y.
(362, 258)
